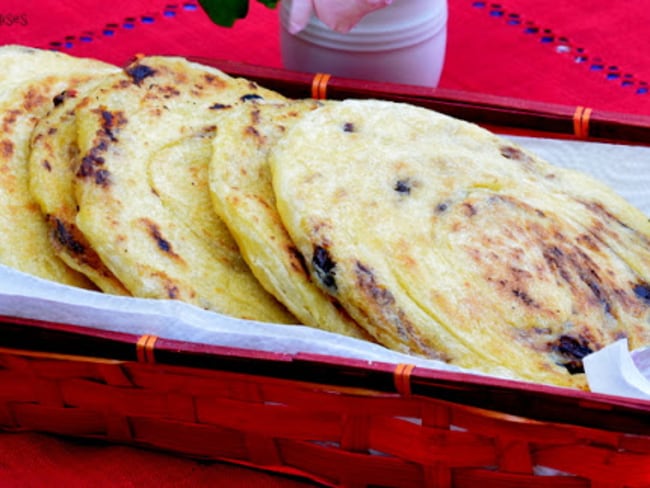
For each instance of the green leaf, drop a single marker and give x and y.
(226, 12)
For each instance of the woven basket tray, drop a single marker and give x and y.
(339, 422)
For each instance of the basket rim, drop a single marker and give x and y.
(546, 403)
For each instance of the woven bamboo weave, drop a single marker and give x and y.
(338, 436)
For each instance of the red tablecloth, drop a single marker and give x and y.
(586, 52)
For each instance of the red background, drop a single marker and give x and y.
(519, 48)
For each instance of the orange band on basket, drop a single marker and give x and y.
(319, 86)
(581, 118)
(577, 117)
(402, 378)
(585, 119)
(145, 348)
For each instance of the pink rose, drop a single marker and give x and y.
(338, 15)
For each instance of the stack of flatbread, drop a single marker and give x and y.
(377, 220)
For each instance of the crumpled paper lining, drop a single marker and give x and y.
(30, 297)
(613, 370)
(617, 370)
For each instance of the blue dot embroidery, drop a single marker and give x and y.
(109, 29)
(562, 45)
(513, 19)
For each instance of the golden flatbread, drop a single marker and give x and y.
(21, 64)
(145, 146)
(444, 240)
(53, 162)
(240, 181)
(29, 80)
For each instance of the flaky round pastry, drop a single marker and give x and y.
(30, 80)
(142, 186)
(242, 194)
(445, 240)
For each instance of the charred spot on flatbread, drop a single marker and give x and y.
(324, 267)
(139, 72)
(642, 290)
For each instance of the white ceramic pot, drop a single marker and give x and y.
(402, 43)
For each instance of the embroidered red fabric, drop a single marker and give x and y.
(590, 54)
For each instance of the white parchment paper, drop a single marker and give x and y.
(613, 370)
